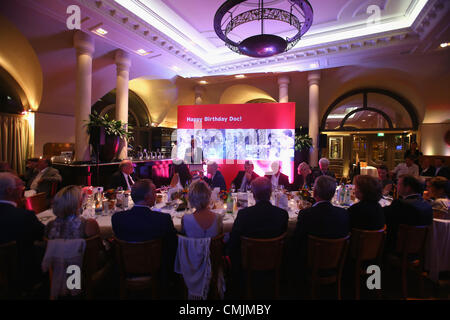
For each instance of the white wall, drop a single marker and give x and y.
(52, 128)
(432, 139)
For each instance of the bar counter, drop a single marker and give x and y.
(85, 174)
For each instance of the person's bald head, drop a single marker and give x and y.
(262, 189)
(11, 187)
(126, 166)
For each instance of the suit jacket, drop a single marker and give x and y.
(262, 220)
(413, 211)
(430, 172)
(22, 226)
(198, 156)
(283, 180)
(218, 181)
(366, 215)
(317, 173)
(240, 176)
(50, 176)
(443, 172)
(118, 180)
(141, 224)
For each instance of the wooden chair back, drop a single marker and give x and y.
(262, 254)
(412, 239)
(367, 245)
(37, 203)
(8, 270)
(139, 257)
(326, 253)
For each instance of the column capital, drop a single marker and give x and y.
(314, 77)
(122, 60)
(83, 43)
(283, 80)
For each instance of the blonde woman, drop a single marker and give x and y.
(68, 223)
(304, 179)
(203, 223)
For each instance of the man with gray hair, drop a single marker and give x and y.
(324, 163)
(123, 178)
(322, 220)
(21, 226)
(263, 221)
(215, 179)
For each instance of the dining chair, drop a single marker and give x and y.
(94, 269)
(410, 246)
(326, 258)
(262, 255)
(8, 270)
(37, 203)
(366, 246)
(139, 265)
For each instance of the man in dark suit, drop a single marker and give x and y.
(22, 226)
(427, 169)
(141, 224)
(441, 169)
(47, 176)
(411, 210)
(277, 178)
(323, 165)
(123, 178)
(217, 180)
(244, 178)
(263, 220)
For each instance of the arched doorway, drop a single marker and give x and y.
(371, 125)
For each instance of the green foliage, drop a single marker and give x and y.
(112, 127)
(303, 141)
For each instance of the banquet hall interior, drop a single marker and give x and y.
(344, 88)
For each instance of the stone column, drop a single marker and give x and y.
(199, 91)
(283, 82)
(313, 81)
(123, 64)
(85, 47)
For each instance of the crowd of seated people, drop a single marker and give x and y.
(263, 220)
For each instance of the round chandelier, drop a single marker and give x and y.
(299, 16)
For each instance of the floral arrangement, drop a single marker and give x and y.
(223, 195)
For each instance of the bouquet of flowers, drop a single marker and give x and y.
(223, 195)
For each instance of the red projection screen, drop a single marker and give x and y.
(232, 133)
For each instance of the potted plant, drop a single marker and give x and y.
(105, 135)
(302, 145)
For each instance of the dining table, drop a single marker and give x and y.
(437, 253)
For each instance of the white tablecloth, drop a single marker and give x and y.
(438, 249)
(369, 171)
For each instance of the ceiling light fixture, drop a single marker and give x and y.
(100, 31)
(239, 76)
(265, 44)
(142, 52)
(445, 44)
(203, 82)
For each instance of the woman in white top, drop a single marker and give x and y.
(438, 190)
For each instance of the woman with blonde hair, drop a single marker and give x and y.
(68, 223)
(203, 223)
(305, 179)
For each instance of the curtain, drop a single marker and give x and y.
(16, 144)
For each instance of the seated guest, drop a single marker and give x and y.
(414, 152)
(407, 167)
(324, 163)
(367, 214)
(181, 175)
(46, 176)
(305, 179)
(263, 220)
(125, 177)
(438, 191)
(68, 223)
(140, 224)
(277, 178)
(441, 169)
(243, 180)
(427, 169)
(216, 179)
(412, 209)
(386, 183)
(322, 219)
(5, 167)
(31, 171)
(19, 225)
(203, 223)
